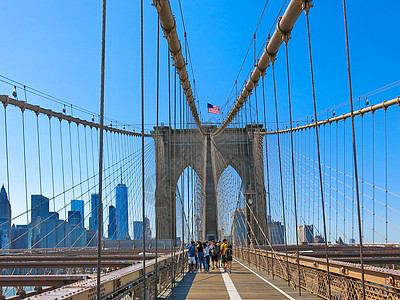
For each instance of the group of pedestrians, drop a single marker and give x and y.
(201, 253)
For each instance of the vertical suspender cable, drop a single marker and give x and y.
(362, 170)
(337, 181)
(174, 187)
(6, 144)
(318, 152)
(280, 172)
(373, 177)
(52, 164)
(268, 184)
(293, 169)
(40, 176)
(143, 167)
(100, 208)
(63, 173)
(80, 162)
(87, 174)
(25, 177)
(386, 179)
(355, 152)
(52, 173)
(72, 161)
(330, 177)
(171, 213)
(157, 119)
(344, 179)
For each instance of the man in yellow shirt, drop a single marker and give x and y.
(223, 247)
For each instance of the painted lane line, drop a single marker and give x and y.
(262, 278)
(230, 287)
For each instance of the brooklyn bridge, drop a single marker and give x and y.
(297, 169)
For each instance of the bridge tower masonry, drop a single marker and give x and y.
(176, 149)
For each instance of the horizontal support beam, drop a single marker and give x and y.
(50, 113)
(40, 280)
(360, 112)
(105, 263)
(110, 282)
(69, 258)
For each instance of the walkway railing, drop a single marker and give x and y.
(345, 278)
(126, 282)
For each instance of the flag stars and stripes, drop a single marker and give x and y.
(212, 109)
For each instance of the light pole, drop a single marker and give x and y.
(248, 196)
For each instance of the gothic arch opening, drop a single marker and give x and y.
(230, 203)
(189, 206)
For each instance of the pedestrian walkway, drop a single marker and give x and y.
(243, 283)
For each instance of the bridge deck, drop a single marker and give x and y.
(242, 283)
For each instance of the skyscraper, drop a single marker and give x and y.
(78, 205)
(112, 228)
(138, 230)
(94, 213)
(5, 219)
(122, 211)
(305, 234)
(276, 231)
(40, 221)
(76, 232)
(20, 237)
(39, 207)
(49, 233)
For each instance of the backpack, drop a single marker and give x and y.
(228, 252)
(214, 250)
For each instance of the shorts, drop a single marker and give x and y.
(192, 260)
(214, 257)
(229, 258)
(223, 259)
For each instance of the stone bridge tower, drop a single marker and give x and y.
(241, 148)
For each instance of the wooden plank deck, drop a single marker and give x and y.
(248, 286)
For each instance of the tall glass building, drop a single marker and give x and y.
(94, 212)
(122, 212)
(78, 205)
(112, 226)
(5, 219)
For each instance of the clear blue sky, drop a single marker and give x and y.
(55, 46)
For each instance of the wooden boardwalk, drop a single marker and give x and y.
(242, 283)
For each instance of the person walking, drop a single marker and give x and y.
(214, 254)
(223, 248)
(192, 257)
(218, 254)
(200, 256)
(229, 254)
(206, 256)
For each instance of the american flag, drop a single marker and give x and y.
(212, 109)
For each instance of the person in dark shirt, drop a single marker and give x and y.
(229, 254)
(200, 256)
(214, 250)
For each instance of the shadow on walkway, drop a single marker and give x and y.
(183, 287)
